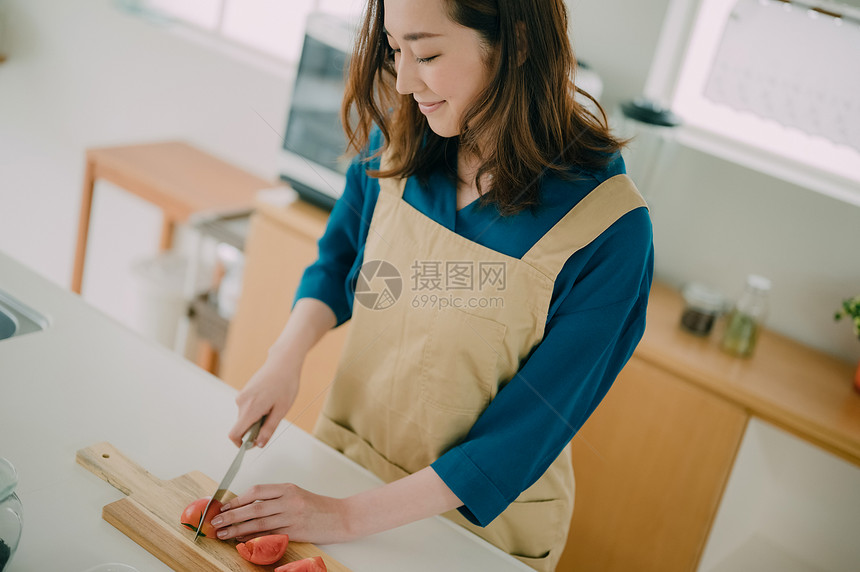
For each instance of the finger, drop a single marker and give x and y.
(249, 520)
(254, 494)
(246, 513)
(235, 434)
(251, 528)
(269, 425)
(247, 417)
(238, 430)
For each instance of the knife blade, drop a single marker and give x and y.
(224, 485)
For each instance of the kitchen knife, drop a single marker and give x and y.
(224, 485)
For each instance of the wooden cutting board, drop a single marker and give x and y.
(150, 514)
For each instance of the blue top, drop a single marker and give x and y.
(596, 317)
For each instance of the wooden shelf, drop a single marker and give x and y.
(793, 386)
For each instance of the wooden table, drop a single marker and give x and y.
(179, 179)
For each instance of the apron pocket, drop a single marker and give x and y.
(535, 532)
(460, 363)
(542, 564)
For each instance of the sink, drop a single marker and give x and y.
(17, 319)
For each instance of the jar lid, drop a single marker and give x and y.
(758, 282)
(703, 298)
(8, 478)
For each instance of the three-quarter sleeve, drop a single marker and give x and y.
(342, 245)
(600, 300)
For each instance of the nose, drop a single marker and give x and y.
(407, 76)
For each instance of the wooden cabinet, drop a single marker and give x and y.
(650, 466)
(281, 243)
(654, 460)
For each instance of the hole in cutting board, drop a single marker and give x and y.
(106, 455)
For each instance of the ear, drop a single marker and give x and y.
(522, 43)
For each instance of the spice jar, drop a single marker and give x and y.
(10, 513)
(746, 318)
(702, 307)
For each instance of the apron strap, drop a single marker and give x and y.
(599, 210)
(393, 187)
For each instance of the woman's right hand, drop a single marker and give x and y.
(270, 391)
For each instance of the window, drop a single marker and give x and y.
(273, 27)
(772, 84)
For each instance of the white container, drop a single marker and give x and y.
(230, 287)
(652, 147)
(160, 303)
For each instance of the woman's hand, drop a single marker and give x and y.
(308, 517)
(285, 509)
(271, 391)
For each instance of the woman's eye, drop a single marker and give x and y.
(392, 51)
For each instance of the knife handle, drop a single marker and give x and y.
(106, 462)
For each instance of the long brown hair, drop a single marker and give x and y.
(528, 109)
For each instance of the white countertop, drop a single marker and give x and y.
(88, 379)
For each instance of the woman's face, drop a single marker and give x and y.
(439, 62)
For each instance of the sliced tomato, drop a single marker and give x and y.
(191, 516)
(314, 564)
(264, 549)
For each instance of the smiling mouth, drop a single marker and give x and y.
(429, 107)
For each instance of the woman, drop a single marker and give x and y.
(516, 259)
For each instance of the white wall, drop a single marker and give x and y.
(81, 74)
(618, 40)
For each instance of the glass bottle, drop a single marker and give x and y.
(10, 513)
(746, 318)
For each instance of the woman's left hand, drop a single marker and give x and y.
(308, 517)
(285, 509)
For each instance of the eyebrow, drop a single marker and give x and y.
(414, 35)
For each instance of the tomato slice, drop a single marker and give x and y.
(264, 549)
(191, 516)
(314, 564)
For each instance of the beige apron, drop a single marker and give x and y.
(424, 359)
